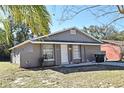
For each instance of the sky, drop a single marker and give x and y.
(85, 18)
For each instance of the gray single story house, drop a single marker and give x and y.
(70, 46)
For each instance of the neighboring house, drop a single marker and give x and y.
(69, 46)
(113, 49)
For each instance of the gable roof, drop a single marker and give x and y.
(34, 41)
(74, 28)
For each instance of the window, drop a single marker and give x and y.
(76, 52)
(48, 52)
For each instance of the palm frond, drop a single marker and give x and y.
(36, 17)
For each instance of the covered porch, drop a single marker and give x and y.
(62, 53)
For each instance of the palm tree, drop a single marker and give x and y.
(36, 17)
(2, 36)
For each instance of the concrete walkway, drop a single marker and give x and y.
(76, 65)
(90, 63)
(113, 63)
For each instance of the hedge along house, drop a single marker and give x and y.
(69, 46)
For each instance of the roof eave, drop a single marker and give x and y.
(38, 42)
(25, 42)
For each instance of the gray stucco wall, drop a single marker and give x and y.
(69, 53)
(90, 51)
(28, 55)
(57, 55)
(83, 54)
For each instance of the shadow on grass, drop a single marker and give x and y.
(88, 68)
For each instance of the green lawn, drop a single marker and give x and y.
(102, 76)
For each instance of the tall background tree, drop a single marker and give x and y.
(100, 32)
(21, 33)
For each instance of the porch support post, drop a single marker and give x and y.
(80, 53)
(85, 54)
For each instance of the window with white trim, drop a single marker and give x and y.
(48, 52)
(76, 52)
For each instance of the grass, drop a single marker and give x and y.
(88, 76)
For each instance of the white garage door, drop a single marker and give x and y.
(64, 54)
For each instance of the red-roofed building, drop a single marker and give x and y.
(113, 49)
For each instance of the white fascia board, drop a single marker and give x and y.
(65, 43)
(25, 42)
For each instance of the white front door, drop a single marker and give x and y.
(64, 54)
